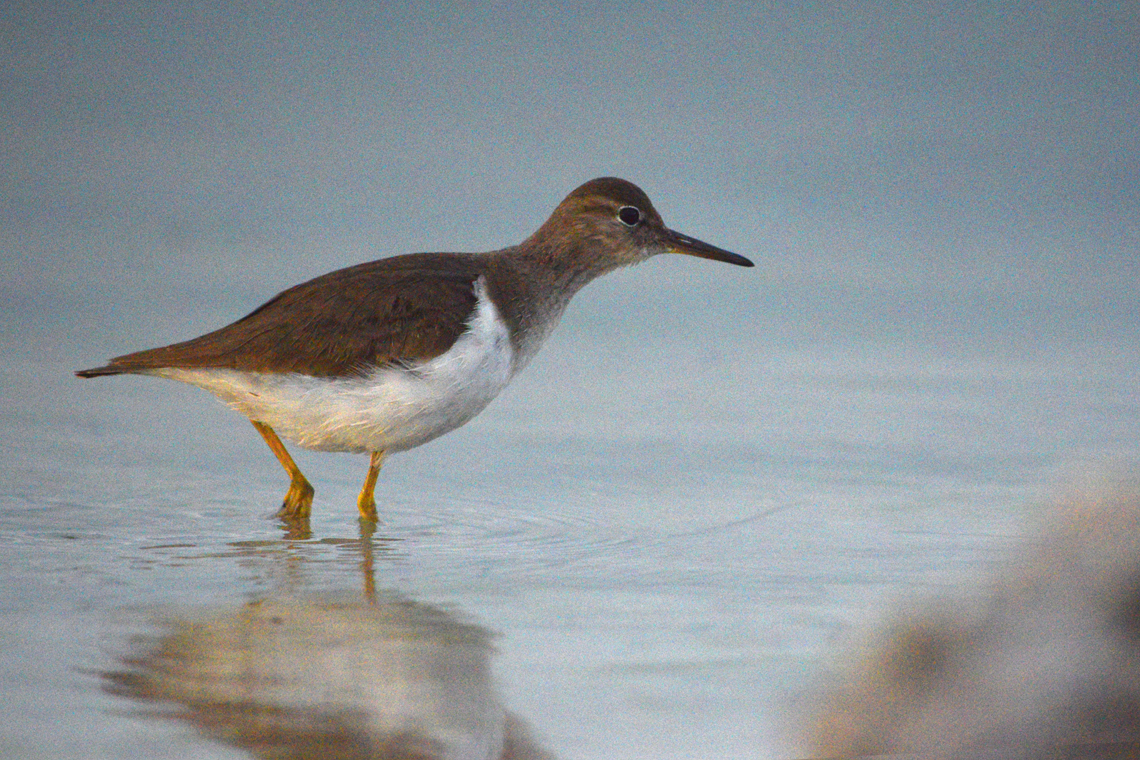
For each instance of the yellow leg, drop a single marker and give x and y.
(299, 499)
(366, 502)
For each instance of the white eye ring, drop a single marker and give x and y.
(630, 216)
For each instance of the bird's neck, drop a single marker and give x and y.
(541, 278)
(564, 260)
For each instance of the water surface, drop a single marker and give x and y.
(663, 540)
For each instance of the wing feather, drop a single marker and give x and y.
(404, 309)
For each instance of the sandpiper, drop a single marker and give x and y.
(384, 356)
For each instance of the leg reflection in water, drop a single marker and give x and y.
(347, 675)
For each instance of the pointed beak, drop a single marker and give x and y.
(675, 242)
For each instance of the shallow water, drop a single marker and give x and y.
(665, 547)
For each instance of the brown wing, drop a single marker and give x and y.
(403, 309)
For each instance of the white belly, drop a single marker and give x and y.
(389, 409)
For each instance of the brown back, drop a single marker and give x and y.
(397, 310)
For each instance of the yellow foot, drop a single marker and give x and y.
(298, 502)
(366, 501)
(367, 507)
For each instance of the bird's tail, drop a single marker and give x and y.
(110, 369)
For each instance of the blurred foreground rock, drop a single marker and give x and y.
(328, 678)
(1046, 666)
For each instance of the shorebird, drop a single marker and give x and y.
(385, 356)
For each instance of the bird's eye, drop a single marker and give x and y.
(629, 216)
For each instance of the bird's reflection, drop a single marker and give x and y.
(331, 675)
(296, 528)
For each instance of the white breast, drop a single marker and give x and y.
(389, 409)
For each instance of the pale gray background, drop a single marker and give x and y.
(982, 154)
(710, 475)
